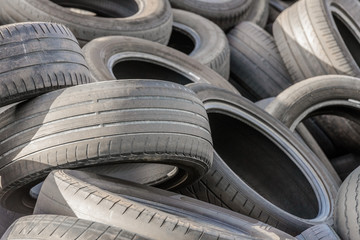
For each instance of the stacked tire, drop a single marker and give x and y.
(179, 119)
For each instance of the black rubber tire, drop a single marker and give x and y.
(169, 202)
(68, 193)
(225, 14)
(104, 55)
(255, 63)
(312, 43)
(243, 134)
(137, 121)
(6, 219)
(36, 58)
(258, 12)
(151, 19)
(210, 45)
(55, 227)
(319, 232)
(331, 94)
(347, 209)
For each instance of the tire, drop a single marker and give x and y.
(258, 12)
(312, 42)
(55, 227)
(263, 190)
(6, 219)
(255, 63)
(319, 232)
(346, 208)
(148, 19)
(225, 14)
(37, 58)
(205, 41)
(102, 123)
(77, 195)
(331, 94)
(120, 58)
(169, 202)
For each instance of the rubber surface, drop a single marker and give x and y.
(249, 179)
(148, 19)
(36, 58)
(136, 121)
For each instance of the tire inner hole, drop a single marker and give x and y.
(103, 8)
(263, 166)
(137, 69)
(349, 38)
(181, 41)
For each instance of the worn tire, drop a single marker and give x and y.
(55, 227)
(256, 64)
(6, 219)
(169, 202)
(347, 207)
(225, 14)
(148, 19)
(36, 58)
(120, 57)
(265, 188)
(210, 45)
(72, 194)
(319, 232)
(100, 123)
(331, 94)
(313, 42)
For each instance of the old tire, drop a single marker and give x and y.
(331, 94)
(347, 209)
(319, 232)
(119, 58)
(72, 194)
(319, 37)
(256, 64)
(148, 19)
(237, 126)
(37, 58)
(107, 122)
(208, 43)
(55, 227)
(225, 14)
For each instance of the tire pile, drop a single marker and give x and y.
(179, 119)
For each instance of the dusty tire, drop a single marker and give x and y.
(72, 194)
(247, 188)
(347, 207)
(55, 227)
(107, 122)
(225, 14)
(120, 58)
(319, 232)
(256, 64)
(208, 43)
(169, 202)
(37, 58)
(331, 94)
(319, 37)
(148, 19)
